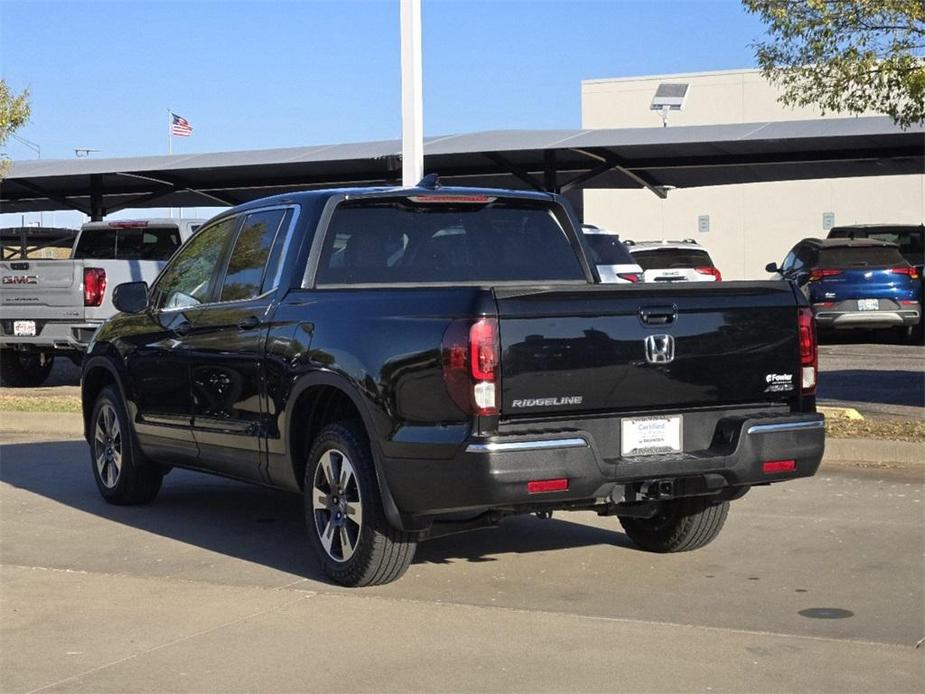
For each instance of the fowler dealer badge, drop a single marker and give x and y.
(778, 383)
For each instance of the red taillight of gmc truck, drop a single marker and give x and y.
(94, 286)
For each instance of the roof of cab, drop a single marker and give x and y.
(355, 193)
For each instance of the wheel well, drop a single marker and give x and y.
(316, 407)
(93, 382)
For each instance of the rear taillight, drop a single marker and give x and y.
(630, 276)
(822, 273)
(94, 286)
(710, 271)
(808, 361)
(471, 361)
(910, 272)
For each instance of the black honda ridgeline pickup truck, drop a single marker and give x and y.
(427, 359)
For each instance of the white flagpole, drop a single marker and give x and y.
(170, 145)
(412, 110)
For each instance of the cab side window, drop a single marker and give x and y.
(254, 260)
(186, 281)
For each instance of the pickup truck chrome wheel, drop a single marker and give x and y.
(337, 504)
(347, 526)
(123, 475)
(108, 446)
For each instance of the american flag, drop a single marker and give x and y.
(180, 126)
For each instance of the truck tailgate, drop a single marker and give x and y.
(585, 348)
(40, 289)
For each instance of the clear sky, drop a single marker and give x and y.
(257, 74)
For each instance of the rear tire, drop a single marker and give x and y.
(122, 474)
(681, 525)
(20, 369)
(347, 527)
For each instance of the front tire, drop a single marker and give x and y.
(347, 527)
(19, 369)
(122, 474)
(681, 525)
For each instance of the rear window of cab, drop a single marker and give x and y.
(416, 240)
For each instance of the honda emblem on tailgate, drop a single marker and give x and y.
(659, 349)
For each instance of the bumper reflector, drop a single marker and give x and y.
(773, 466)
(539, 486)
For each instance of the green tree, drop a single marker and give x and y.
(14, 112)
(847, 56)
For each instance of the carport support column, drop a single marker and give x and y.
(549, 171)
(96, 198)
(412, 107)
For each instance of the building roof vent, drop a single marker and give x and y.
(669, 96)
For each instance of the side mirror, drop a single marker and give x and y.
(772, 267)
(130, 297)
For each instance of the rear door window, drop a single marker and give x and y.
(253, 257)
(399, 241)
(860, 256)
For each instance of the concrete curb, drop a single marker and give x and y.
(56, 426)
(874, 451)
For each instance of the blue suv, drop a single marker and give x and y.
(855, 283)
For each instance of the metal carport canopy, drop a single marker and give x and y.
(560, 160)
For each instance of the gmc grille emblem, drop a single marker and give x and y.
(659, 349)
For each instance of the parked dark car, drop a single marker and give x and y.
(420, 360)
(855, 283)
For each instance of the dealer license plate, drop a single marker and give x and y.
(650, 436)
(24, 328)
(868, 304)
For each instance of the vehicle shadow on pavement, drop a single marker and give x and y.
(883, 387)
(518, 535)
(253, 523)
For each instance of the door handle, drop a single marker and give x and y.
(658, 315)
(249, 323)
(183, 328)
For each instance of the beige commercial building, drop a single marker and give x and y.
(743, 226)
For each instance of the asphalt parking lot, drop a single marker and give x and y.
(815, 585)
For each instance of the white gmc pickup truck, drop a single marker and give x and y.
(50, 307)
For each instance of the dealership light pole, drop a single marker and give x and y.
(412, 108)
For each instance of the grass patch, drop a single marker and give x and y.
(885, 429)
(49, 403)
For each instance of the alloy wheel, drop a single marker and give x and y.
(108, 446)
(337, 505)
